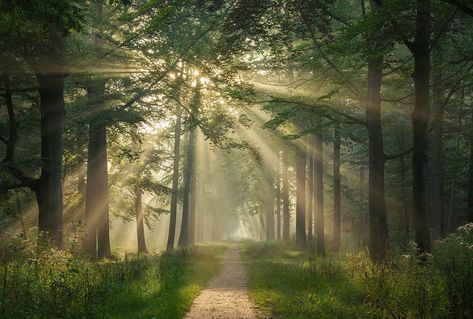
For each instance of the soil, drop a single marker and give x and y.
(226, 295)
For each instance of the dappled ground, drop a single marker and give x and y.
(226, 295)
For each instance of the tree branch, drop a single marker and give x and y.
(311, 106)
(388, 157)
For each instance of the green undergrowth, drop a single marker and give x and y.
(287, 283)
(58, 284)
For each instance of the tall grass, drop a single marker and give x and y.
(291, 284)
(49, 283)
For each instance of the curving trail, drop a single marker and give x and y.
(226, 295)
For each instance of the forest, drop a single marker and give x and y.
(236, 159)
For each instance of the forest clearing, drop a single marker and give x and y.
(248, 159)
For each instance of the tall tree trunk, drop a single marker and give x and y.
(50, 73)
(140, 228)
(269, 209)
(285, 195)
(470, 177)
(97, 225)
(175, 180)
(193, 207)
(49, 189)
(188, 173)
(420, 124)
(262, 231)
(184, 233)
(310, 194)
(378, 224)
(12, 122)
(278, 199)
(436, 209)
(336, 190)
(319, 192)
(301, 240)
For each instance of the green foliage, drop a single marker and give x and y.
(59, 284)
(292, 284)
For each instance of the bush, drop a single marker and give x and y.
(436, 285)
(41, 283)
(453, 256)
(50, 283)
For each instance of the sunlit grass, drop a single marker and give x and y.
(59, 284)
(167, 291)
(291, 284)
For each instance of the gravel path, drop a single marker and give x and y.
(226, 295)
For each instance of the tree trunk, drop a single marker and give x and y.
(378, 224)
(140, 228)
(50, 73)
(175, 180)
(184, 233)
(97, 225)
(285, 195)
(470, 179)
(188, 173)
(319, 192)
(336, 190)
(12, 123)
(278, 199)
(420, 124)
(268, 207)
(436, 210)
(49, 188)
(193, 207)
(301, 240)
(310, 194)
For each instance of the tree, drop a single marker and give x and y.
(319, 191)
(336, 190)
(175, 179)
(301, 240)
(285, 195)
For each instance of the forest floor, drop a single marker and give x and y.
(226, 295)
(288, 283)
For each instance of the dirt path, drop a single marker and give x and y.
(226, 295)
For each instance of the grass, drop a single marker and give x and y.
(287, 283)
(291, 284)
(59, 284)
(167, 290)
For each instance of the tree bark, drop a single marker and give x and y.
(49, 188)
(310, 194)
(470, 178)
(319, 192)
(193, 207)
(97, 224)
(12, 123)
(175, 180)
(336, 190)
(436, 210)
(285, 195)
(378, 224)
(188, 173)
(268, 207)
(420, 124)
(301, 240)
(50, 73)
(278, 199)
(140, 228)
